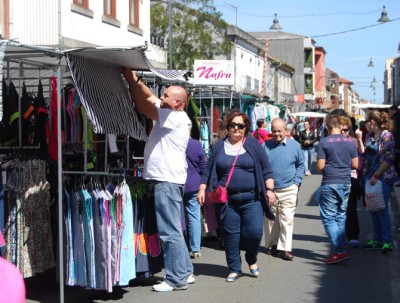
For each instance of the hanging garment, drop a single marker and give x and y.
(2, 51)
(29, 232)
(127, 268)
(52, 146)
(42, 119)
(215, 119)
(193, 114)
(78, 241)
(99, 240)
(28, 114)
(87, 216)
(149, 259)
(69, 250)
(9, 123)
(105, 97)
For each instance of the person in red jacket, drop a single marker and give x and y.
(261, 134)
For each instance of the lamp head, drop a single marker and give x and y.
(275, 24)
(384, 17)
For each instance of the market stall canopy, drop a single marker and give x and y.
(134, 58)
(370, 106)
(96, 72)
(309, 114)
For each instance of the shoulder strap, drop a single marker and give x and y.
(233, 165)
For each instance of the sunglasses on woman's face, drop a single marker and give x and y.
(238, 125)
(345, 130)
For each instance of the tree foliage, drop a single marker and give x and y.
(198, 32)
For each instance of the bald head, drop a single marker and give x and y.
(278, 127)
(175, 97)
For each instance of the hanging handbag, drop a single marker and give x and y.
(220, 193)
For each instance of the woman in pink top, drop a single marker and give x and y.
(261, 134)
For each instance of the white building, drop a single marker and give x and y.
(79, 23)
(248, 55)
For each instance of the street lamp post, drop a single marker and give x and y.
(170, 34)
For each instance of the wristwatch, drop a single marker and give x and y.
(271, 189)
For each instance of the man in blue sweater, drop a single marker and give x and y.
(287, 163)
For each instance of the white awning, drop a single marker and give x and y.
(371, 106)
(309, 114)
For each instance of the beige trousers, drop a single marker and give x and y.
(280, 231)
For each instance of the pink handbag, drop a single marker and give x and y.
(220, 193)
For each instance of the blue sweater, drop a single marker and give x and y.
(287, 162)
(261, 166)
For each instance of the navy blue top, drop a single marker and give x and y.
(243, 179)
(338, 151)
(196, 161)
(262, 169)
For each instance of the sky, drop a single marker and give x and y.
(348, 54)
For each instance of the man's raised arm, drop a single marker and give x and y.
(143, 98)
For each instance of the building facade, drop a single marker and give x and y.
(80, 23)
(299, 52)
(250, 77)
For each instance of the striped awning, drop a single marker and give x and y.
(97, 76)
(41, 62)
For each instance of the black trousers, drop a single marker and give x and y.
(352, 225)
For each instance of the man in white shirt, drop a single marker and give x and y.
(165, 163)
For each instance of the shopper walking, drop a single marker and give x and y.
(307, 138)
(250, 188)
(287, 163)
(336, 156)
(378, 165)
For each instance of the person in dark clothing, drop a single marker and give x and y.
(307, 138)
(250, 192)
(394, 114)
(196, 160)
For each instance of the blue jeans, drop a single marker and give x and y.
(168, 201)
(192, 208)
(242, 220)
(381, 221)
(307, 153)
(332, 206)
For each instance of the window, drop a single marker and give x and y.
(248, 82)
(110, 9)
(256, 85)
(134, 12)
(84, 3)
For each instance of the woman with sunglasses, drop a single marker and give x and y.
(378, 165)
(250, 192)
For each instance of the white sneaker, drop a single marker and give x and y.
(191, 279)
(195, 255)
(164, 287)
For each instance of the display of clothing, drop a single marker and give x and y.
(28, 230)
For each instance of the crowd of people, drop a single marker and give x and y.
(262, 172)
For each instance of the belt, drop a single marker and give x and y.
(232, 192)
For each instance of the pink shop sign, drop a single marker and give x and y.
(214, 72)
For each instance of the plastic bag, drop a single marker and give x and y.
(374, 196)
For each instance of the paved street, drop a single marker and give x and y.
(368, 276)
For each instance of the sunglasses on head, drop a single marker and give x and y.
(239, 125)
